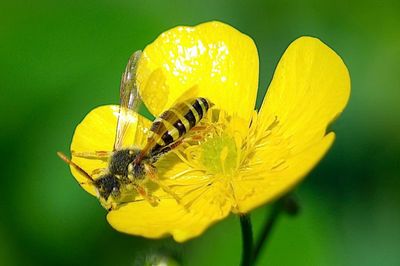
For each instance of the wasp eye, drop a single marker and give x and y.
(115, 192)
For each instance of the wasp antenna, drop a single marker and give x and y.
(140, 156)
(79, 169)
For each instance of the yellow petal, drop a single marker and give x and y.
(167, 218)
(310, 88)
(220, 60)
(96, 132)
(267, 181)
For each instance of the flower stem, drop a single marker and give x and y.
(247, 239)
(276, 210)
(285, 204)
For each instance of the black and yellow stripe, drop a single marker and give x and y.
(175, 122)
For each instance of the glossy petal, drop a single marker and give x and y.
(218, 59)
(96, 132)
(310, 88)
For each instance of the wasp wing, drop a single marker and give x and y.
(129, 101)
(191, 93)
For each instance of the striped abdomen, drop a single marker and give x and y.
(174, 123)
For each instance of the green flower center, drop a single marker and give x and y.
(219, 155)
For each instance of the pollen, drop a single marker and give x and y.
(219, 155)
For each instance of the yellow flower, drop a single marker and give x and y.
(247, 158)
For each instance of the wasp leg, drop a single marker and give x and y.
(193, 138)
(152, 174)
(169, 147)
(175, 144)
(97, 171)
(203, 128)
(199, 133)
(99, 155)
(199, 128)
(196, 138)
(149, 198)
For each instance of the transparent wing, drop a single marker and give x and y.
(191, 93)
(129, 101)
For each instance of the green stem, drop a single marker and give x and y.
(269, 224)
(285, 204)
(247, 239)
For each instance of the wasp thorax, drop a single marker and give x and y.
(120, 161)
(136, 170)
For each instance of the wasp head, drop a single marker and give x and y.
(108, 185)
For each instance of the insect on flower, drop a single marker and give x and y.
(236, 158)
(129, 168)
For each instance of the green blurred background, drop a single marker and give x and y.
(59, 59)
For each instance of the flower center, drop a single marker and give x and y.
(219, 155)
(214, 146)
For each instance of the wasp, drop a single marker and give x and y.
(129, 168)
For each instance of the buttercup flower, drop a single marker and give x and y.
(243, 159)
